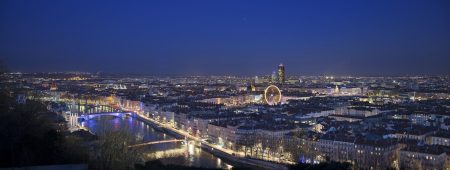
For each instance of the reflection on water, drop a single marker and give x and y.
(169, 153)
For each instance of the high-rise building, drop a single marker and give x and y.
(274, 77)
(281, 75)
(256, 80)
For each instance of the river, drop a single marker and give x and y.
(169, 153)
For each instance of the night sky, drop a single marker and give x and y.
(223, 37)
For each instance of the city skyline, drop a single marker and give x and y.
(274, 76)
(230, 85)
(258, 122)
(227, 38)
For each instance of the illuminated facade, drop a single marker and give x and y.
(236, 100)
(274, 77)
(281, 75)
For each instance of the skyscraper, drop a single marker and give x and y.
(256, 80)
(274, 77)
(281, 75)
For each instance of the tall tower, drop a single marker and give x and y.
(281, 75)
(274, 77)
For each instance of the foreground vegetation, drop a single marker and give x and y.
(29, 137)
(326, 165)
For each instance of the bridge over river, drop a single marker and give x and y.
(155, 143)
(88, 116)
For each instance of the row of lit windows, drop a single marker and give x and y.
(426, 157)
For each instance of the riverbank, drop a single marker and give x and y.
(219, 152)
(169, 153)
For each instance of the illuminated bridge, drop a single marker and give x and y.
(83, 108)
(157, 142)
(87, 116)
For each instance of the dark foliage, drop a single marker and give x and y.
(28, 138)
(322, 166)
(158, 165)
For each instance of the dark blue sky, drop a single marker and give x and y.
(227, 37)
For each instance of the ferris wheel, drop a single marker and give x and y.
(272, 95)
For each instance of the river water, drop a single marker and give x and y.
(169, 153)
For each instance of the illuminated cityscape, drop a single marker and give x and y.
(344, 119)
(281, 76)
(206, 85)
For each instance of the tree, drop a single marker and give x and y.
(29, 138)
(112, 151)
(299, 146)
(158, 165)
(322, 166)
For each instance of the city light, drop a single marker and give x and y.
(283, 85)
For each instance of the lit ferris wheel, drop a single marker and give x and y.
(272, 95)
